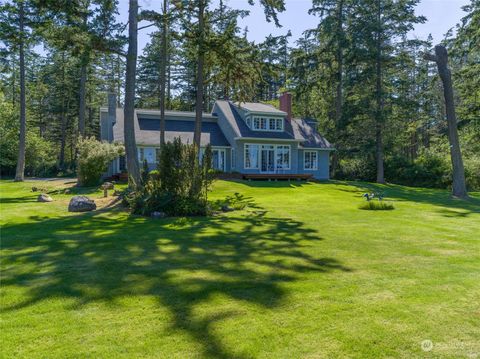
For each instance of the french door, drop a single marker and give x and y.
(267, 159)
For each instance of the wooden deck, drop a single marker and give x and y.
(278, 176)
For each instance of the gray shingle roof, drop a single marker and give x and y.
(259, 107)
(147, 130)
(306, 130)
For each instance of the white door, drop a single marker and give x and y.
(267, 159)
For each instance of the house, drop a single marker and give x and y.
(247, 138)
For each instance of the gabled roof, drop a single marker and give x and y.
(241, 129)
(298, 130)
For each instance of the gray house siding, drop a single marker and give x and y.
(323, 166)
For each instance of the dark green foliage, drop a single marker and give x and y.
(181, 185)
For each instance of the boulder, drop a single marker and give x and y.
(108, 185)
(158, 215)
(81, 204)
(43, 197)
(227, 208)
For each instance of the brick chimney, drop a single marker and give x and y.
(286, 104)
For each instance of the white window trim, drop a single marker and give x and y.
(233, 160)
(315, 167)
(245, 156)
(260, 145)
(289, 158)
(267, 119)
(224, 157)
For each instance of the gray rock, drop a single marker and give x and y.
(158, 215)
(227, 208)
(43, 197)
(81, 204)
(108, 185)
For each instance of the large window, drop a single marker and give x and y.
(283, 157)
(266, 123)
(310, 160)
(251, 156)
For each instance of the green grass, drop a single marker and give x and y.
(301, 273)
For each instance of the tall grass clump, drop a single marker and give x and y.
(377, 206)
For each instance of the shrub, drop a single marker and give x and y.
(377, 206)
(93, 159)
(430, 169)
(180, 186)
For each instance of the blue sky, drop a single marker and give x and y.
(441, 16)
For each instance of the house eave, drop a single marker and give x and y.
(268, 139)
(318, 148)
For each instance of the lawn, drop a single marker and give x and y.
(302, 273)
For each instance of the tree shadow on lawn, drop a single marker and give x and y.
(182, 262)
(436, 197)
(273, 184)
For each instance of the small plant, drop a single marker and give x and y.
(377, 206)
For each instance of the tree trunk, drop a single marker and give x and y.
(63, 126)
(339, 94)
(119, 81)
(82, 94)
(199, 85)
(459, 186)
(19, 173)
(129, 108)
(379, 100)
(163, 70)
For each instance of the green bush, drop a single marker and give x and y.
(93, 159)
(430, 169)
(377, 206)
(180, 186)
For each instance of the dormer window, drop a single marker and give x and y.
(266, 123)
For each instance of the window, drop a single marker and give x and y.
(218, 159)
(283, 157)
(267, 158)
(141, 154)
(263, 123)
(149, 154)
(256, 123)
(279, 124)
(266, 124)
(146, 153)
(272, 123)
(251, 157)
(310, 160)
(233, 159)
